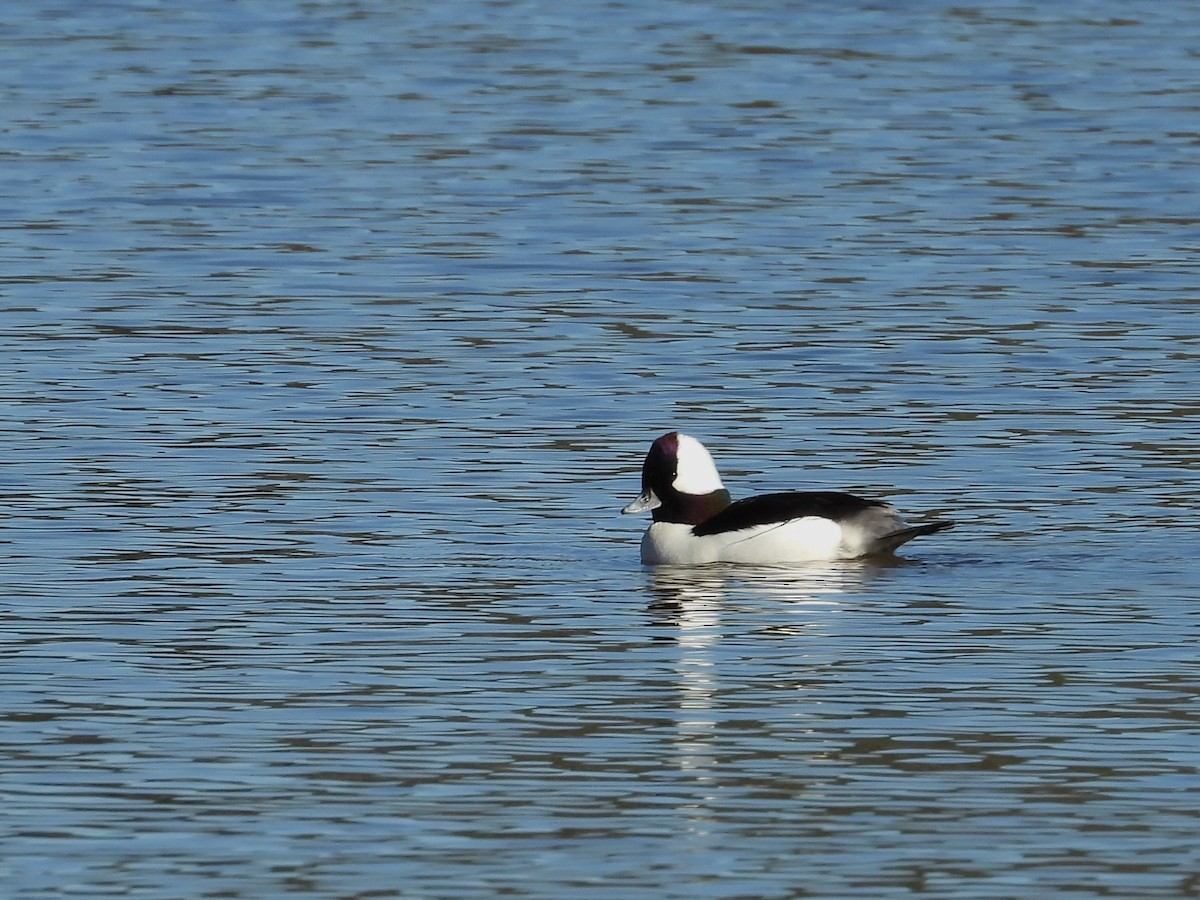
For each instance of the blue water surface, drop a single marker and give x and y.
(333, 335)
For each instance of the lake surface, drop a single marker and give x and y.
(333, 336)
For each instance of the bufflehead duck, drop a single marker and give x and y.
(695, 522)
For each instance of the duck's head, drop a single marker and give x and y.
(679, 482)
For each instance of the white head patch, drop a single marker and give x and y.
(694, 470)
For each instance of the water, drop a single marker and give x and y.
(333, 336)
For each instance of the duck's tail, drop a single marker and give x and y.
(889, 542)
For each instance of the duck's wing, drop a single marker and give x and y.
(774, 509)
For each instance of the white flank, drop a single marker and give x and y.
(806, 539)
(695, 472)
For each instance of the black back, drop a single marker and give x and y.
(769, 509)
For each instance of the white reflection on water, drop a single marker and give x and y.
(690, 600)
(693, 607)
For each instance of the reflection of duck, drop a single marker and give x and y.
(689, 599)
(685, 602)
(707, 615)
(695, 522)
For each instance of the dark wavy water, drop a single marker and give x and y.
(333, 335)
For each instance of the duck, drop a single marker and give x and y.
(695, 521)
